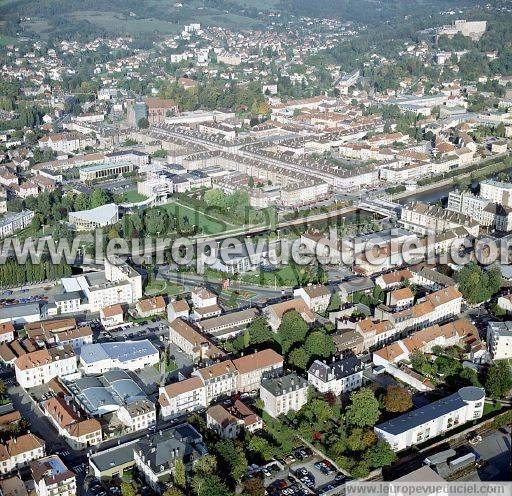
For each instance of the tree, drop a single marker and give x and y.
(498, 380)
(378, 293)
(253, 487)
(380, 455)
(261, 447)
(293, 329)
(355, 440)
(232, 457)
(128, 489)
(143, 123)
(260, 331)
(172, 491)
(319, 345)
(335, 303)
(179, 475)
(299, 358)
(206, 465)
(363, 409)
(397, 400)
(3, 388)
(99, 197)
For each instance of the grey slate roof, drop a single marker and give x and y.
(344, 367)
(432, 411)
(281, 385)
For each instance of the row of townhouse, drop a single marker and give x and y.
(41, 366)
(223, 378)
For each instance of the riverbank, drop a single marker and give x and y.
(444, 186)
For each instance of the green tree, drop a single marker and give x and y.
(173, 491)
(380, 455)
(363, 409)
(3, 388)
(261, 447)
(128, 489)
(179, 474)
(206, 465)
(293, 329)
(498, 380)
(299, 358)
(99, 197)
(260, 331)
(143, 123)
(335, 303)
(319, 345)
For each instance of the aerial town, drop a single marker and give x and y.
(255, 248)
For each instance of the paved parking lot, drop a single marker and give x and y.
(321, 479)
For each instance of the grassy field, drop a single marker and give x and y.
(207, 223)
(133, 197)
(163, 287)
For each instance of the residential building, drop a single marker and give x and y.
(13, 222)
(497, 191)
(78, 431)
(256, 366)
(150, 307)
(422, 218)
(316, 296)
(499, 340)
(112, 316)
(41, 366)
(137, 415)
(192, 342)
(282, 394)
(178, 309)
(98, 358)
(6, 332)
(156, 455)
(19, 451)
(159, 108)
(338, 377)
(432, 420)
(52, 478)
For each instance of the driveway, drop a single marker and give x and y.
(496, 449)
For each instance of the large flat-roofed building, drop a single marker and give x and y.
(15, 221)
(499, 340)
(102, 171)
(118, 283)
(228, 325)
(433, 419)
(86, 220)
(98, 358)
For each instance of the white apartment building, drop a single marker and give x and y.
(422, 218)
(19, 451)
(137, 415)
(223, 378)
(52, 478)
(282, 394)
(202, 298)
(497, 192)
(433, 419)
(182, 397)
(41, 366)
(15, 221)
(119, 283)
(338, 377)
(499, 340)
(316, 296)
(467, 203)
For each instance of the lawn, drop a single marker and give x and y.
(490, 407)
(163, 287)
(206, 223)
(289, 276)
(133, 197)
